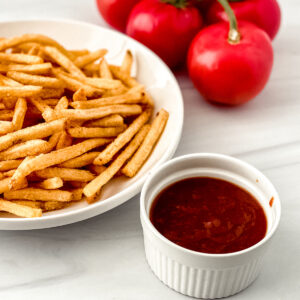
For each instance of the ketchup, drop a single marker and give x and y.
(208, 215)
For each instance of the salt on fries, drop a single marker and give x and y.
(69, 123)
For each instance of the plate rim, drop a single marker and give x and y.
(90, 211)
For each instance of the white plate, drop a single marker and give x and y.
(150, 71)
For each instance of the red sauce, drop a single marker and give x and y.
(271, 201)
(208, 215)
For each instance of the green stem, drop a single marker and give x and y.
(176, 3)
(234, 35)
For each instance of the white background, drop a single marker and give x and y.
(103, 258)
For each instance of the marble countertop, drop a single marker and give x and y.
(103, 257)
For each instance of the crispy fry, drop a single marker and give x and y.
(47, 93)
(39, 194)
(77, 194)
(32, 204)
(63, 103)
(6, 115)
(50, 102)
(5, 81)
(80, 52)
(77, 184)
(22, 91)
(63, 61)
(127, 63)
(79, 95)
(66, 174)
(50, 183)
(95, 113)
(104, 69)
(101, 83)
(110, 121)
(21, 58)
(9, 164)
(93, 188)
(20, 210)
(80, 161)
(122, 139)
(86, 59)
(29, 79)
(85, 132)
(6, 127)
(4, 184)
(9, 173)
(53, 158)
(19, 114)
(146, 148)
(34, 132)
(54, 205)
(133, 96)
(96, 169)
(124, 77)
(64, 141)
(37, 69)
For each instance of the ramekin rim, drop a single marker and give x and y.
(144, 216)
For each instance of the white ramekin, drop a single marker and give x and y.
(198, 274)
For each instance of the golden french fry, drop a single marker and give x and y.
(47, 93)
(77, 184)
(37, 69)
(86, 59)
(80, 161)
(124, 77)
(29, 79)
(104, 69)
(133, 96)
(122, 139)
(53, 158)
(21, 58)
(4, 184)
(93, 188)
(54, 205)
(50, 183)
(34, 132)
(39, 194)
(9, 173)
(9, 164)
(95, 113)
(6, 127)
(127, 63)
(32, 204)
(19, 114)
(80, 52)
(32, 38)
(77, 194)
(79, 95)
(86, 132)
(20, 210)
(22, 91)
(63, 103)
(2, 106)
(63, 60)
(50, 102)
(6, 115)
(100, 83)
(139, 158)
(64, 141)
(110, 121)
(96, 169)
(8, 81)
(66, 174)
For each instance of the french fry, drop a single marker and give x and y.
(133, 96)
(63, 103)
(6, 127)
(4, 184)
(6, 115)
(146, 148)
(93, 188)
(95, 113)
(100, 83)
(19, 114)
(48, 93)
(77, 194)
(34, 132)
(96, 169)
(9, 164)
(127, 63)
(37, 69)
(50, 183)
(22, 91)
(34, 194)
(80, 52)
(5, 81)
(86, 59)
(32, 204)
(50, 102)
(110, 121)
(20, 210)
(79, 95)
(21, 58)
(124, 77)
(35, 80)
(9, 173)
(32, 38)
(64, 141)
(104, 69)
(122, 139)
(2, 106)
(53, 158)
(80, 161)
(54, 205)
(63, 61)
(77, 184)
(85, 132)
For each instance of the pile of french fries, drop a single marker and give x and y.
(69, 123)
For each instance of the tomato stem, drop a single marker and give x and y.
(234, 35)
(176, 3)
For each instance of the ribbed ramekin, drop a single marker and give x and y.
(203, 275)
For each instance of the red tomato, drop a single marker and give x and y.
(165, 28)
(115, 12)
(203, 5)
(230, 73)
(264, 13)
